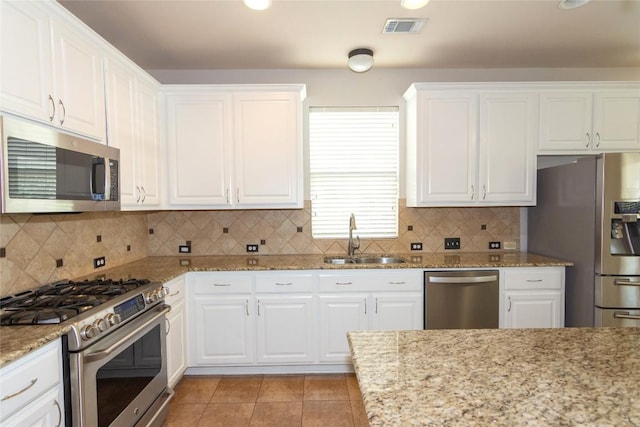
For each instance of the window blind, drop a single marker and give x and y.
(354, 169)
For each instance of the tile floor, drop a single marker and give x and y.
(267, 400)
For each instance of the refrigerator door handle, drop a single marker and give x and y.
(626, 282)
(625, 315)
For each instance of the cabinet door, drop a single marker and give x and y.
(446, 148)
(533, 310)
(46, 411)
(78, 81)
(199, 136)
(176, 343)
(285, 329)
(508, 131)
(616, 120)
(121, 106)
(340, 314)
(26, 83)
(565, 121)
(268, 150)
(397, 312)
(148, 156)
(222, 331)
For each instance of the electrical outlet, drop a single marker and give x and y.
(416, 246)
(510, 245)
(99, 262)
(494, 245)
(184, 249)
(252, 248)
(452, 243)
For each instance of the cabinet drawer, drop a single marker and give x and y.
(396, 280)
(176, 291)
(208, 283)
(267, 282)
(534, 278)
(29, 377)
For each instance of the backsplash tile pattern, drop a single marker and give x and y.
(280, 231)
(33, 243)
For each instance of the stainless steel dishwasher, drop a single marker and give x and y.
(461, 299)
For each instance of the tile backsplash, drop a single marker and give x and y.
(30, 245)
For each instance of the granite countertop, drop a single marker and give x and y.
(16, 341)
(499, 377)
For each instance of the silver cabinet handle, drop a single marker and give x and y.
(473, 191)
(222, 284)
(397, 283)
(174, 294)
(64, 111)
(246, 306)
(53, 108)
(55, 402)
(534, 280)
(627, 282)
(258, 307)
(33, 381)
(509, 309)
(227, 194)
(284, 284)
(625, 315)
(144, 194)
(484, 192)
(344, 283)
(598, 139)
(238, 195)
(365, 306)
(137, 194)
(168, 326)
(588, 143)
(376, 305)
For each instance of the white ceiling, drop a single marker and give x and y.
(318, 34)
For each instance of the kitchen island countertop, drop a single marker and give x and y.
(499, 377)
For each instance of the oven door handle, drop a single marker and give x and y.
(99, 355)
(626, 282)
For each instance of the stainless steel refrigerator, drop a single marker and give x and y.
(588, 212)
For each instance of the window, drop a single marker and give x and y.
(354, 169)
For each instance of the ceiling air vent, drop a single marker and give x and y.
(403, 26)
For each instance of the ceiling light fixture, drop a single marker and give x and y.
(258, 4)
(572, 4)
(413, 4)
(360, 60)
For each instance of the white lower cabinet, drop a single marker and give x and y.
(533, 297)
(31, 392)
(176, 330)
(365, 300)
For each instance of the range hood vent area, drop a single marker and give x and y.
(403, 26)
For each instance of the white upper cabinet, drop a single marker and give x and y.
(579, 119)
(470, 145)
(234, 146)
(133, 127)
(51, 68)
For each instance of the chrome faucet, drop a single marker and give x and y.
(353, 246)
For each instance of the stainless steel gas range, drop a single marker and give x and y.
(115, 353)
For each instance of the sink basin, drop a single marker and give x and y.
(364, 260)
(378, 260)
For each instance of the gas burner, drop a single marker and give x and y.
(63, 300)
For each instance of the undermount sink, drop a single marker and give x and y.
(364, 260)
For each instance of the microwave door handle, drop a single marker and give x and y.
(99, 355)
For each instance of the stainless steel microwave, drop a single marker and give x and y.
(45, 170)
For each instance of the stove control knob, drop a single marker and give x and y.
(88, 332)
(151, 297)
(112, 319)
(101, 325)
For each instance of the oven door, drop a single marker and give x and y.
(617, 317)
(122, 379)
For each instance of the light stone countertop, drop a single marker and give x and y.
(16, 341)
(499, 377)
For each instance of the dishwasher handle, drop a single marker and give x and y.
(467, 279)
